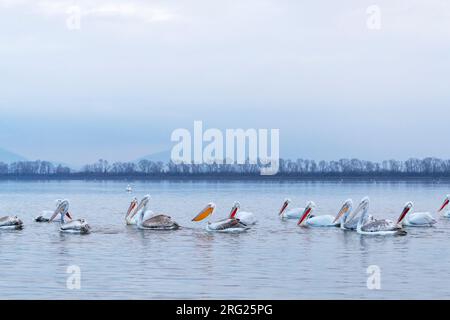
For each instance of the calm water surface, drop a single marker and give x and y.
(274, 260)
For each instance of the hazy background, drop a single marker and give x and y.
(136, 70)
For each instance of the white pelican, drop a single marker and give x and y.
(46, 214)
(11, 222)
(147, 220)
(226, 225)
(415, 219)
(445, 214)
(73, 226)
(377, 227)
(294, 213)
(346, 217)
(308, 220)
(131, 209)
(247, 218)
(128, 189)
(302, 222)
(131, 217)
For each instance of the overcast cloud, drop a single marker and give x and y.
(136, 70)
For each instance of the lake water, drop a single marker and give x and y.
(274, 260)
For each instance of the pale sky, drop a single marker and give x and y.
(137, 70)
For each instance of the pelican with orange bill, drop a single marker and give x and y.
(231, 224)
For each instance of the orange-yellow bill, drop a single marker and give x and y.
(341, 213)
(204, 213)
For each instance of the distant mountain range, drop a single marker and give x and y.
(8, 156)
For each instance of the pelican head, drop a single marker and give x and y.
(62, 209)
(445, 203)
(206, 212)
(362, 207)
(133, 205)
(140, 207)
(405, 211)
(306, 213)
(235, 209)
(344, 212)
(285, 205)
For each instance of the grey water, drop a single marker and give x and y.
(273, 260)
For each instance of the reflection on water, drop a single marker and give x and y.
(274, 260)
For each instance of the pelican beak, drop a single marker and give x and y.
(363, 205)
(285, 205)
(135, 208)
(133, 205)
(58, 210)
(343, 211)
(304, 216)
(404, 213)
(63, 209)
(446, 202)
(206, 212)
(233, 212)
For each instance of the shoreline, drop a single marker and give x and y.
(226, 178)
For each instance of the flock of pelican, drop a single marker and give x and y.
(360, 220)
(140, 215)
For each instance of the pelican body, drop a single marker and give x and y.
(322, 220)
(294, 213)
(73, 226)
(415, 219)
(76, 226)
(445, 214)
(308, 220)
(229, 225)
(11, 223)
(146, 220)
(45, 216)
(376, 227)
(247, 218)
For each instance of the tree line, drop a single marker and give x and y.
(430, 166)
